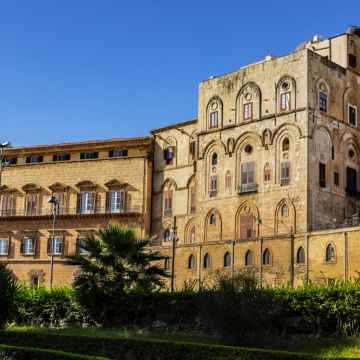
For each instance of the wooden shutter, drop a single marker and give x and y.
(246, 226)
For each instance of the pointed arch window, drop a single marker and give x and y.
(267, 173)
(214, 159)
(266, 257)
(284, 211)
(192, 235)
(300, 256)
(286, 144)
(212, 219)
(228, 181)
(249, 258)
(227, 259)
(206, 261)
(330, 253)
(323, 97)
(191, 262)
(214, 119)
(167, 235)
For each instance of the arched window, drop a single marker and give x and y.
(167, 235)
(330, 253)
(266, 257)
(227, 259)
(192, 235)
(214, 159)
(191, 262)
(286, 144)
(207, 260)
(249, 258)
(212, 219)
(300, 256)
(284, 211)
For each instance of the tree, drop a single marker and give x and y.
(113, 263)
(8, 290)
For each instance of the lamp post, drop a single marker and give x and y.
(54, 202)
(174, 239)
(3, 146)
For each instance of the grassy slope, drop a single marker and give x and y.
(346, 347)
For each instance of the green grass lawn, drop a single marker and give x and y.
(331, 348)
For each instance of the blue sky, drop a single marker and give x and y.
(77, 70)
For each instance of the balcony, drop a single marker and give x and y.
(247, 188)
(67, 212)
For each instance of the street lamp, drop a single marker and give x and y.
(3, 146)
(54, 202)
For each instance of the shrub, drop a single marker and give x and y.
(8, 289)
(26, 353)
(49, 307)
(143, 349)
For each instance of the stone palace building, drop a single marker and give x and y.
(266, 179)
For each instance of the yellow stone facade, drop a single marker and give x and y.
(265, 179)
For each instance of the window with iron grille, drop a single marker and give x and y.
(86, 155)
(4, 247)
(285, 173)
(322, 175)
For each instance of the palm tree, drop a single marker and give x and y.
(112, 263)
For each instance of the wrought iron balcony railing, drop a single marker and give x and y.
(64, 212)
(246, 188)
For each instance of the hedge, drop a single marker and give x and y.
(132, 349)
(29, 353)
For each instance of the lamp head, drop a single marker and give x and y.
(52, 200)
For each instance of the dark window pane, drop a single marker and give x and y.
(89, 155)
(351, 181)
(322, 175)
(118, 153)
(61, 157)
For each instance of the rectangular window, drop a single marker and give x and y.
(192, 200)
(89, 155)
(213, 185)
(214, 119)
(322, 101)
(33, 159)
(248, 176)
(336, 178)
(28, 246)
(322, 175)
(116, 201)
(192, 148)
(168, 202)
(10, 161)
(118, 153)
(4, 247)
(81, 246)
(248, 113)
(285, 101)
(285, 173)
(169, 155)
(86, 202)
(352, 60)
(61, 157)
(31, 204)
(351, 181)
(246, 226)
(6, 205)
(56, 245)
(61, 203)
(352, 110)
